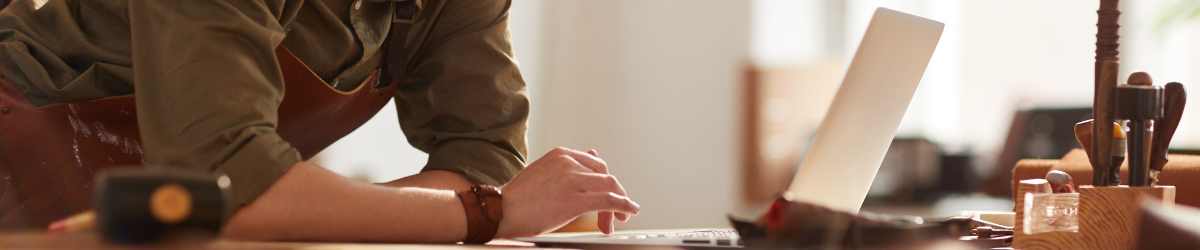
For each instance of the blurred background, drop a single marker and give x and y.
(703, 107)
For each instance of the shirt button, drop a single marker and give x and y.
(223, 182)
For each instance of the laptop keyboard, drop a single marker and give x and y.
(705, 237)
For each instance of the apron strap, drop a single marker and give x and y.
(403, 18)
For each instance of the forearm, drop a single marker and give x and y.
(435, 179)
(310, 203)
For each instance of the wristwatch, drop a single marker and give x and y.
(484, 208)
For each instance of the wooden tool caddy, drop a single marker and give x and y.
(1106, 216)
(1118, 207)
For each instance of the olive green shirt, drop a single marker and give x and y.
(208, 86)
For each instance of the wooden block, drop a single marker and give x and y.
(1109, 215)
(1037, 186)
(1108, 219)
(1030, 169)
(1053, 240)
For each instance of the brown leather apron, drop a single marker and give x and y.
(49, 155)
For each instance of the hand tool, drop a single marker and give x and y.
(1141, 104)
(1060, 182)
(138, 205)
(1140, 78)
(1105, 76)
(1102, 139)
(988, 231)
(1118, 154)
(1174, 100)
(1083, 135)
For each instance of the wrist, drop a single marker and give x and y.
(484, 209)
(507, 229)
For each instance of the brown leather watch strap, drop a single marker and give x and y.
(483, 205)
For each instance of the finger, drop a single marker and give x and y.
(623, 217)
(607, 201)
(590, 161)
(604, 183)
(604, 220)
(593, 182)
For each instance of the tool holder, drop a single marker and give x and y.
(1108, 219)
(1106, 216)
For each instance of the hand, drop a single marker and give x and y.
(559, 187)
(604, 219)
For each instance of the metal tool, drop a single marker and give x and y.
(1141, 104)
(989, 231)
(1118, 154)
(1174, 100)
(1110, 175)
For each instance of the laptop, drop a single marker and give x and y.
(849, 145)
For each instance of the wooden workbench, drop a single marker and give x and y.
(39, 240)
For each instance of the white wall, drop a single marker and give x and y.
(1166, 50)
(652, 85)
(1043, 58)
(995, 57)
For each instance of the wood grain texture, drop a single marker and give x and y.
(1108, 219)
(1110, 215)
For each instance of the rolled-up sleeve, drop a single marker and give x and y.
(463, 100)
(208, 87)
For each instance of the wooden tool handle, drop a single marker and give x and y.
(1107, 35)
(1102, 137)
(1106, 66)
(1175, 98)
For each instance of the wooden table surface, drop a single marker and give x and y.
(87, 240)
